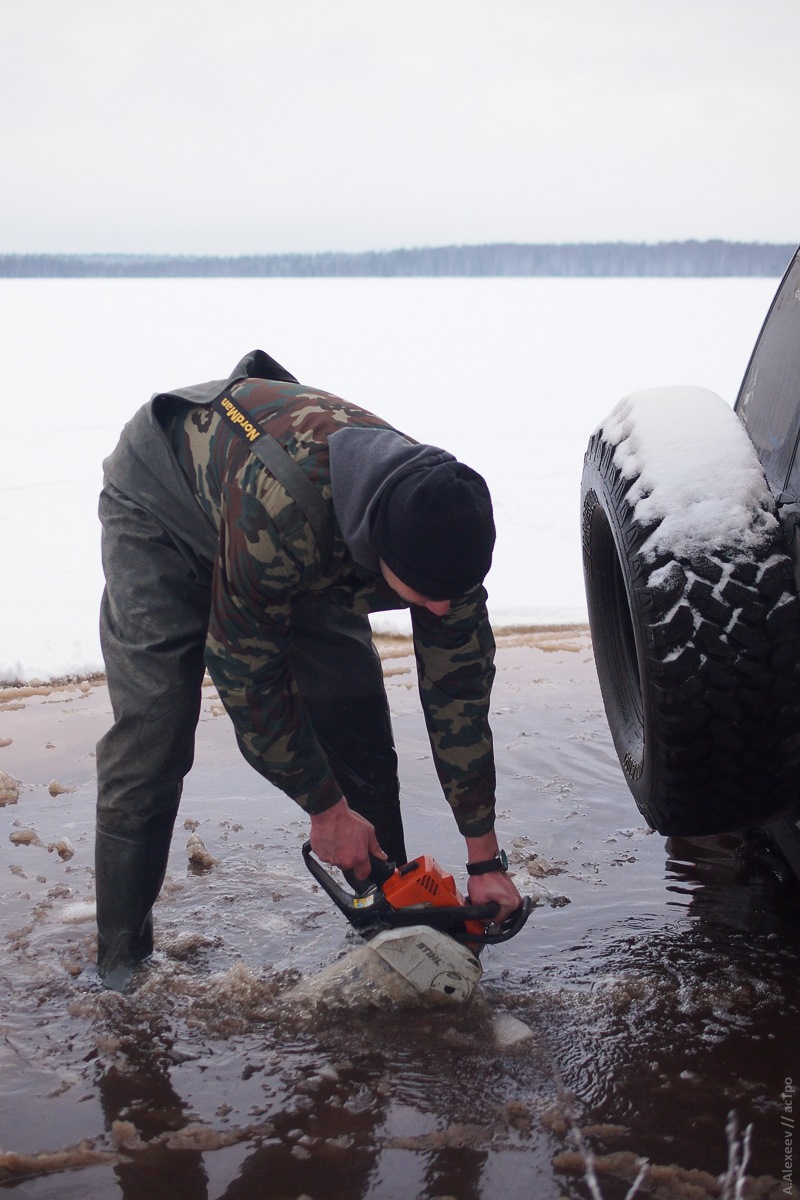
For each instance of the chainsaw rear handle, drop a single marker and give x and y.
(380, 870)
(338, 895)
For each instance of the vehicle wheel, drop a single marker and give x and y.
(694, 614)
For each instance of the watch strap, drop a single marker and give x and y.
(487, 865)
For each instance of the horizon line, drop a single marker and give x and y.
(670, 242)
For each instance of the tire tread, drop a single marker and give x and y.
(719, 654)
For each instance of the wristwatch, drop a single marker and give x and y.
(498, 863)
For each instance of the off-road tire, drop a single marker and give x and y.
(700, 673)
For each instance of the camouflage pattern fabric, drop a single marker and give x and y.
(267, 557)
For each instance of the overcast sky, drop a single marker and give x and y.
(258, 126)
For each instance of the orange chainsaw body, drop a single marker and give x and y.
(422, 881)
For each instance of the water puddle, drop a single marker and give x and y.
(269, 1053)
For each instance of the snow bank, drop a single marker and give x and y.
(694, 470)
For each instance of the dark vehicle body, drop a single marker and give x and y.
(768, 404)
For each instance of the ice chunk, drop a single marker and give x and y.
(59, 789)
(78, 913)
(9, 789)
(510, 1031)
(195, 848)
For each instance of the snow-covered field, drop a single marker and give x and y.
(511, 375)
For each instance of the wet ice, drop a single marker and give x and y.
(662, 993)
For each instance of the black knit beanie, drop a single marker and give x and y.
(435, 530)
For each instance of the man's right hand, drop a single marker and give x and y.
(344, 839)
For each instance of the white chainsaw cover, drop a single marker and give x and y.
(432, 962)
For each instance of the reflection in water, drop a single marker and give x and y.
(141, 1094)
(733, 885)
(455, 1172)
(683, 1022)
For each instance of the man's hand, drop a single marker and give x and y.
(343, 838)
(495, 885)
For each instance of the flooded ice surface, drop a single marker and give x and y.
(268, 1052)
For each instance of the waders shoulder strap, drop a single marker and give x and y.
(279, 463)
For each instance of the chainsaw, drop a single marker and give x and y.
(416, 919)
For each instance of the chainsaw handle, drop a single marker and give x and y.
(479, 912)
(365, 910)
(379, 871)
(508, 929)
(344, 902)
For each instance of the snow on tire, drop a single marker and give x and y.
(694, 614)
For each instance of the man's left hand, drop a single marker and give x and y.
(495, 885)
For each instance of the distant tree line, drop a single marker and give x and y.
(596, 259)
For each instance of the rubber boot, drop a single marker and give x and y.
(128, 878)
